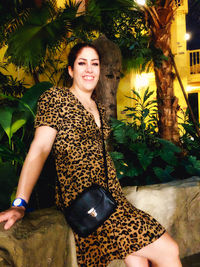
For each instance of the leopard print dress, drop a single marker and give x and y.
(79, 162)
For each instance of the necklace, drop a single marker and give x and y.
(90, 107)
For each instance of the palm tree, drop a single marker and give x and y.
(159, 18)
(34, 30)
(148, 42)
(46, 28)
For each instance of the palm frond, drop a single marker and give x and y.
(44, 29)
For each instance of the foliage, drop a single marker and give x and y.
(124, 23)
(44, 28)
(32, 32)
(143, 113)
(9, 85)
(140, 156)
(55, 69)
(189, 139)
(8, 182)
(11, 16)
(16, 133)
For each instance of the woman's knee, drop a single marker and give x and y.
(163, 249)
(174, 248)
(136, 261)
(171, 246)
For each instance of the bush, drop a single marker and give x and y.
(16, 133)
(140, 156)
(189, 139)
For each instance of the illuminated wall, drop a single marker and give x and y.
(135, 80)
(178, 45)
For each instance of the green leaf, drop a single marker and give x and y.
(45, 28)
(147, 95)
(9, 155)
(151, 104)
(6, 120)
(1, 132)
(193, 165)
(168, 156)
(145, 157)
(136, 93)
(145, 113)
(169, 145)
(30, 98)
(17, 125)
(164, 175)
(132, 172)
(117, 155)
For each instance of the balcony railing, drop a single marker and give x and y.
(194, 59)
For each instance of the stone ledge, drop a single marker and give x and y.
(43, 239)
(176, 205)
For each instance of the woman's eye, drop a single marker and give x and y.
(95, 64)
(81, 63)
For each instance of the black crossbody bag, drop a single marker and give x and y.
(92, 207)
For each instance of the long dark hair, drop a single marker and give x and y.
(77, 49)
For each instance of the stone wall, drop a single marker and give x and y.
(176, 205)
(43, 239)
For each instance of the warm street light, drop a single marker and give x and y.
(141, 2)
(187, 36)
(141, 81)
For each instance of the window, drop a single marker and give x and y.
(193, 100)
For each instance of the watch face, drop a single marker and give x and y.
(17, 202)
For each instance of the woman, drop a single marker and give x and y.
(68, 120)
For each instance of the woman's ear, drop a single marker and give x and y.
(70, 71)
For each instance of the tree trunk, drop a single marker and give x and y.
(159, 19)
(106, 89)
(167, 102)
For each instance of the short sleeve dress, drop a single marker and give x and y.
(79, 163)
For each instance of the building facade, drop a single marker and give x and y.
(187, 62)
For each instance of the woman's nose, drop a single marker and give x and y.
(88, 68)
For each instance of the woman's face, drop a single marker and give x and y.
(86, 70)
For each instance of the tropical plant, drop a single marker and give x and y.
(189, 138)
(142, 33)
(140, 156)
(48, 29)
(156, 18)
(16, 133)
(159, 16)
(152, 44)
(9, 85)
(31, 32)
(144, 113)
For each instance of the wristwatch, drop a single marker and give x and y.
(19, 202)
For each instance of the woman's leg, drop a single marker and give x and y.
(163, 252)
(135, 261)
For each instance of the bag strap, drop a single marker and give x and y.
(104, 149)
(104, 159)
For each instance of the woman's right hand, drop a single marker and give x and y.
(11, 215)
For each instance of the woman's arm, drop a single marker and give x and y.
(33, 164)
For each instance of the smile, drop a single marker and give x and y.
(88, 78)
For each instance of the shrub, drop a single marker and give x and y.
(16, 133)
(140, 156)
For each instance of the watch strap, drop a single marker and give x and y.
(19, 202)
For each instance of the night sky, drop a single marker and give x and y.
(193, 24)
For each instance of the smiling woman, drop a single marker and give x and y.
(70, 121)
(85, 73)
(84, 69)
